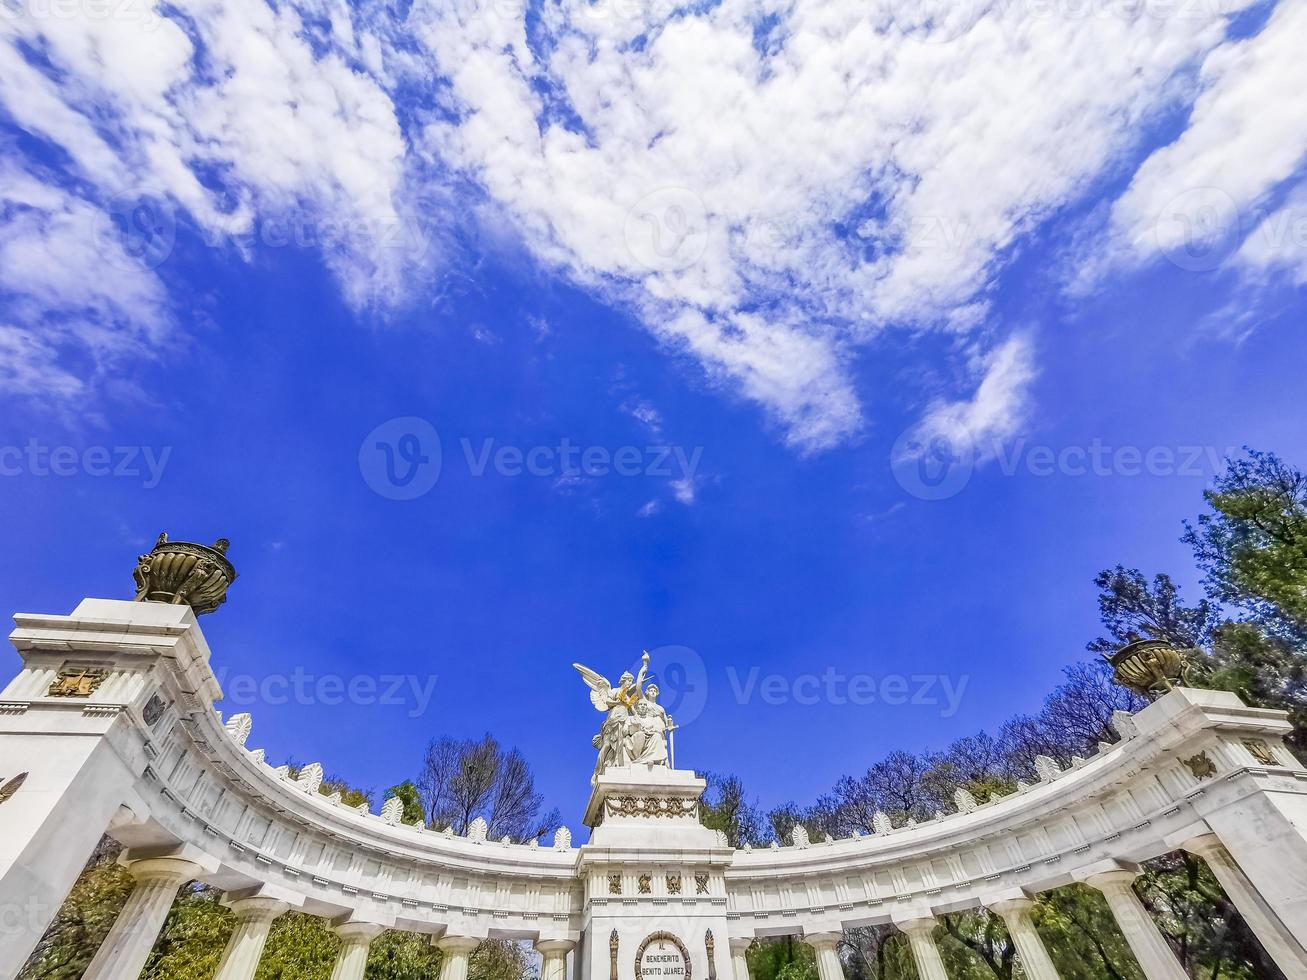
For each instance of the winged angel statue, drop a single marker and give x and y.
(636, 727)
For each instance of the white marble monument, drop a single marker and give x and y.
(111, 727)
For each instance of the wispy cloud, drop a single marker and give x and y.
(769, 188)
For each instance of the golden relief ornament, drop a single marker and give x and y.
(77, 682)
(673, 884)
(710, 947)
(12, 786)
(1201, 765)
(614, 884)
(186, 574)
(1260, 751)
(645, 884)
(701, 884)
(612, 955)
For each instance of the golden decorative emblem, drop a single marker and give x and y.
(614, 884)
(12, 787)
(77, 682)
(645, 883)
(662, 938)
(673, 884)
(1200, 765)
(1260, 751)
(701, 884)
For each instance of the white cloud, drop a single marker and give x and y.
(1195, 199)
(769, 213)
(995, 410)
(68, 283)
(714, 188)
(1278, 244)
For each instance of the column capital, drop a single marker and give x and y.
(1203, 845)
(1117, 879)
(823, 940)
(358, 932)
(457, 944)
(563, 946)
(257, 908)
(1006, 905)
(739, 944)
(164, 869)
(923, 924)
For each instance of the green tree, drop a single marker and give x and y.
(407, 793)
(726, 807)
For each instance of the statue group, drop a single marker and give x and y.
(636, 728)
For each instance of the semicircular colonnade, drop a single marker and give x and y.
(110, 727)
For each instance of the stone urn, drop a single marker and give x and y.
(183, 573)
(1150, 667)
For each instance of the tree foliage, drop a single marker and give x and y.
(463, 779)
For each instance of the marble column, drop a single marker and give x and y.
(1276, 939)
(921, 937)
(124, 951)
(828, 960)
(355, 941)
(457, 950)
(1030, 948)
(1155, 956)
(253, 920)
(554, 955)
(739, 961)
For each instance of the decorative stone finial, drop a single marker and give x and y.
(1150, 667)
(182, 573)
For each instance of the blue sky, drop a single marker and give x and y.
(879, 331)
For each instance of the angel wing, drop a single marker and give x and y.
(601, 692)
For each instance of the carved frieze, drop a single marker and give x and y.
(649, 806)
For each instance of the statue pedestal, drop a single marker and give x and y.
(636, 805)
(655, 888)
